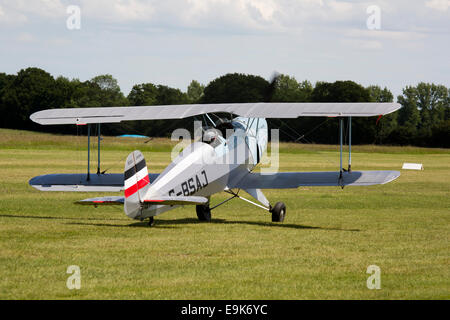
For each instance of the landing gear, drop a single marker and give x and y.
(278, 212)
(203, 212)
(151, 222)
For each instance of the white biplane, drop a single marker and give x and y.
(216, 163)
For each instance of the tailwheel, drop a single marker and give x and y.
(278, 212)
(203, 212)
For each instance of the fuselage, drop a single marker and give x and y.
(203, 169)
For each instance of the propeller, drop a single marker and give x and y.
(271, 87)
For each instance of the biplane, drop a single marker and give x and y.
(222, 161)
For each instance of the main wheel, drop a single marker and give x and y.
(278, 212)
(203, 212)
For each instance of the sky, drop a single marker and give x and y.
(380, 42)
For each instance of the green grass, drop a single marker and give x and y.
(321, 251)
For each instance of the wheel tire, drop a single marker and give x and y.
(203, 212)
(278, 212)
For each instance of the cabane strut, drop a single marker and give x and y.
(89, 150)
(341, 142)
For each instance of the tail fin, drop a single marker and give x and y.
(136, 183)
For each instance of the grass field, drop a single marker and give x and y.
(322, 250)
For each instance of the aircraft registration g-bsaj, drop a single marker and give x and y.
(217, 163)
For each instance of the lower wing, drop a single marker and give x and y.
(286, 180)
(110, 182)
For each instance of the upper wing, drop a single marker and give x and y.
(285, 180)
(253, 110)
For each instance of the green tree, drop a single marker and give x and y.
(31, 90)
(147, 94)
(106, 82)
(408, 115)
(195, 91)
(287, 89)
(109, 94)
(167, 95)
(408, 118)
(340, 91)
(65, 89)
(424, 110)
(5, 80)
(440, 135)
(144, 94)
(432, 100)
(236, 88)
(363, 129)
(387, 123)
(380, 95)
(5, 85)
(447, 109)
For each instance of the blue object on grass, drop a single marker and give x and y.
(132, 136)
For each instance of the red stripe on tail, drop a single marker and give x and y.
(143, 182)
(135, 187)
(131, 190)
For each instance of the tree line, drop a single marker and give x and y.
(423, 120)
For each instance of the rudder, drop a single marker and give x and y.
(136, 183)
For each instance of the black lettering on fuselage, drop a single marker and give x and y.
(199, 185)
(191, 186)
(206, 178)
(185, 188)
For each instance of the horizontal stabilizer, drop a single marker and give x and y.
(286, 180)
(102, 201)
(190, 200)
(110, 182)
(169, 201)
(251, 110)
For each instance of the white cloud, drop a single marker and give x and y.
(363, 44)
(43, 8)
(270, 15)
(385, 34)
(25, 37)
(118, 11)
(174, 41)
(340, 7)
(220, 14)
(228, 15)
(440, 5)
(10, 17)
(18, 12)
(266, 8)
